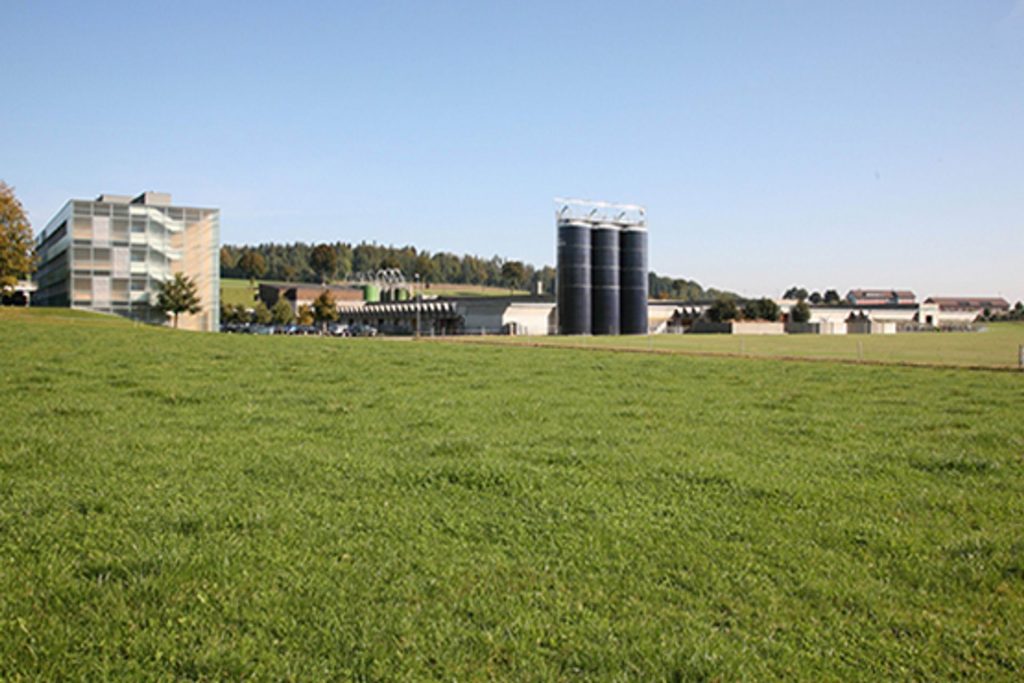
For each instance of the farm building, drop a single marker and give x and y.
(518, 315)
(862, 323)
(304, 294)
(521, 315)
(965, 309)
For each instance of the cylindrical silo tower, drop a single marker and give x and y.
(633, 279)
(604, 259)
(574, 282)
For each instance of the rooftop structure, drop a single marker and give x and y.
(304, 294)
(969, 303)
(875, 297)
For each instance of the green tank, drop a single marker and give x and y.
(402, 294)
(371, 294)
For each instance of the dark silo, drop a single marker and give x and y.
(574, 295)
(633, 279)
(604, 260)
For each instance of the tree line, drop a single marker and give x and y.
(302, 262)
(829, 298)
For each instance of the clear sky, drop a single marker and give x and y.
(825, 144)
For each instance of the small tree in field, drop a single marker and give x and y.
(282, 312)
(722, 310)
(305, 315)
(178, 295)
(324, 310)
(16, 244)
(761, 309)
(800, 313)
(261, 314)
(240, 314)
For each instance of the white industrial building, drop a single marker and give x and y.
(525, 315)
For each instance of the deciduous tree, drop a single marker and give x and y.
(795, 293)
(800, 313)
(514, 274)
(178, 295)
(227, 259)
(282, 312)
(16, 245)
(723, 309)
(261, 314)
(324, 261)
(252, 264)
(324, 310)
(305, 315)
(761, 309)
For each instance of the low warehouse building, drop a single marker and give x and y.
(953, 310)
(520, 315)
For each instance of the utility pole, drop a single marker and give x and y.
(416, 302)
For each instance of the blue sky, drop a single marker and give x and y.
(827, 144)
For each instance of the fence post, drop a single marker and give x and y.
(1020, 356)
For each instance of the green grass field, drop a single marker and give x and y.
(996, 346)
(234, 292)
(176, 505)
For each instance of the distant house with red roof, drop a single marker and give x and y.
(881, 297)
(969, 303)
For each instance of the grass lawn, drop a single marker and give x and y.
(997, 346)
(454, 289)
(181, 505)
(235, 292)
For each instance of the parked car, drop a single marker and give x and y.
(361, 330)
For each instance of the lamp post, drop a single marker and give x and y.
(416, 301)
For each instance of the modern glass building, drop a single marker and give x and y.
(112, 254)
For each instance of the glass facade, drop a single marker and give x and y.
(112, 257)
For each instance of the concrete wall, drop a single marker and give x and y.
(754, 327)
(871, 326)
(819, 327)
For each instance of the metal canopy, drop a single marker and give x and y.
(595, 212)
